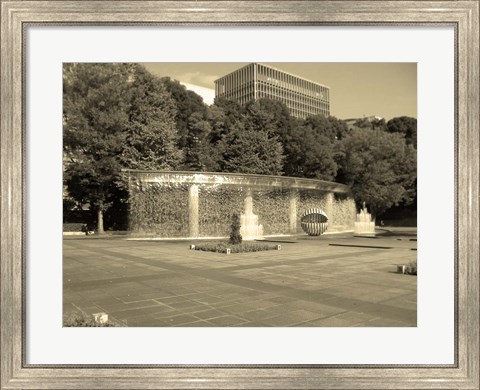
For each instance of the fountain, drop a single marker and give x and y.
(250, 229)
(364, 226)
(166, 204)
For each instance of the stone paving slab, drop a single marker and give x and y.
(307, 283)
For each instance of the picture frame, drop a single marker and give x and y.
(17, 15)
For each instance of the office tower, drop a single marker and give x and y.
(256, 81)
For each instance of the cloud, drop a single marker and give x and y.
(208, 94)
(197, 78)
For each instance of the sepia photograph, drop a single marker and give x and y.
(240, 194)
(234, 195)
(231, 194)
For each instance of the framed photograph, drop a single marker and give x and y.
(334, 304)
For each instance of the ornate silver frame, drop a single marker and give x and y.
(463, 15)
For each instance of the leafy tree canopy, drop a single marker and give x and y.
(379, 167)
(151, 135)
(404, 125)
(369, 123)
(330, 127)
(271, 116)
(95, 116)
(201, 151)
(187, 102)
(115, 116)
(248, 150)
(311, 155)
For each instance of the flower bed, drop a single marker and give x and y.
(222, 246)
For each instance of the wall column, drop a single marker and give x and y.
(193, 210)
(329, 208)
(293, 211)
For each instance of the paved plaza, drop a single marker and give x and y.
(332, 281)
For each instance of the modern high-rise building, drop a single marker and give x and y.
(256, 81)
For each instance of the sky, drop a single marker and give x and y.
(357, 90)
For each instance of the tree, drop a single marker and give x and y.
(269, 115)
(94, 183)
(404, 125)
(201, 153)
(220, 123)
(330, 127)
(310, 154)
(363, 123)
(95, 118)
(115, 116)
(309, 147)
(379, 167)
(231, 110)
(151, 136)
(187, 102)
(248, 150)
(378, 123)
(213, 133)
(373, 123)
(194, 121)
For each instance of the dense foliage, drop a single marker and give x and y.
(161, 210)
(406, 126)
(216, 206)
(380, 168)
(115, 116)
(273, 210)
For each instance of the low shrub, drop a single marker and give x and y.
(74, 227)
(245, 246)
(80, 319)
(412, 268)
(235, 236)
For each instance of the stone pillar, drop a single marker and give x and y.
(193, 210)
(293, 211)
(329, 209)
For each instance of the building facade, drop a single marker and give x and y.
(256, 81)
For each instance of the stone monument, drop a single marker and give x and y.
(314, 222)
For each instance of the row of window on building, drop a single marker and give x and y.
(256, 81)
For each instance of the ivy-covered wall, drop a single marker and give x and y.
(162, 209)
(344, 213)
(215, 209)
(159, 209)
(311, 199)
(273, 210)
